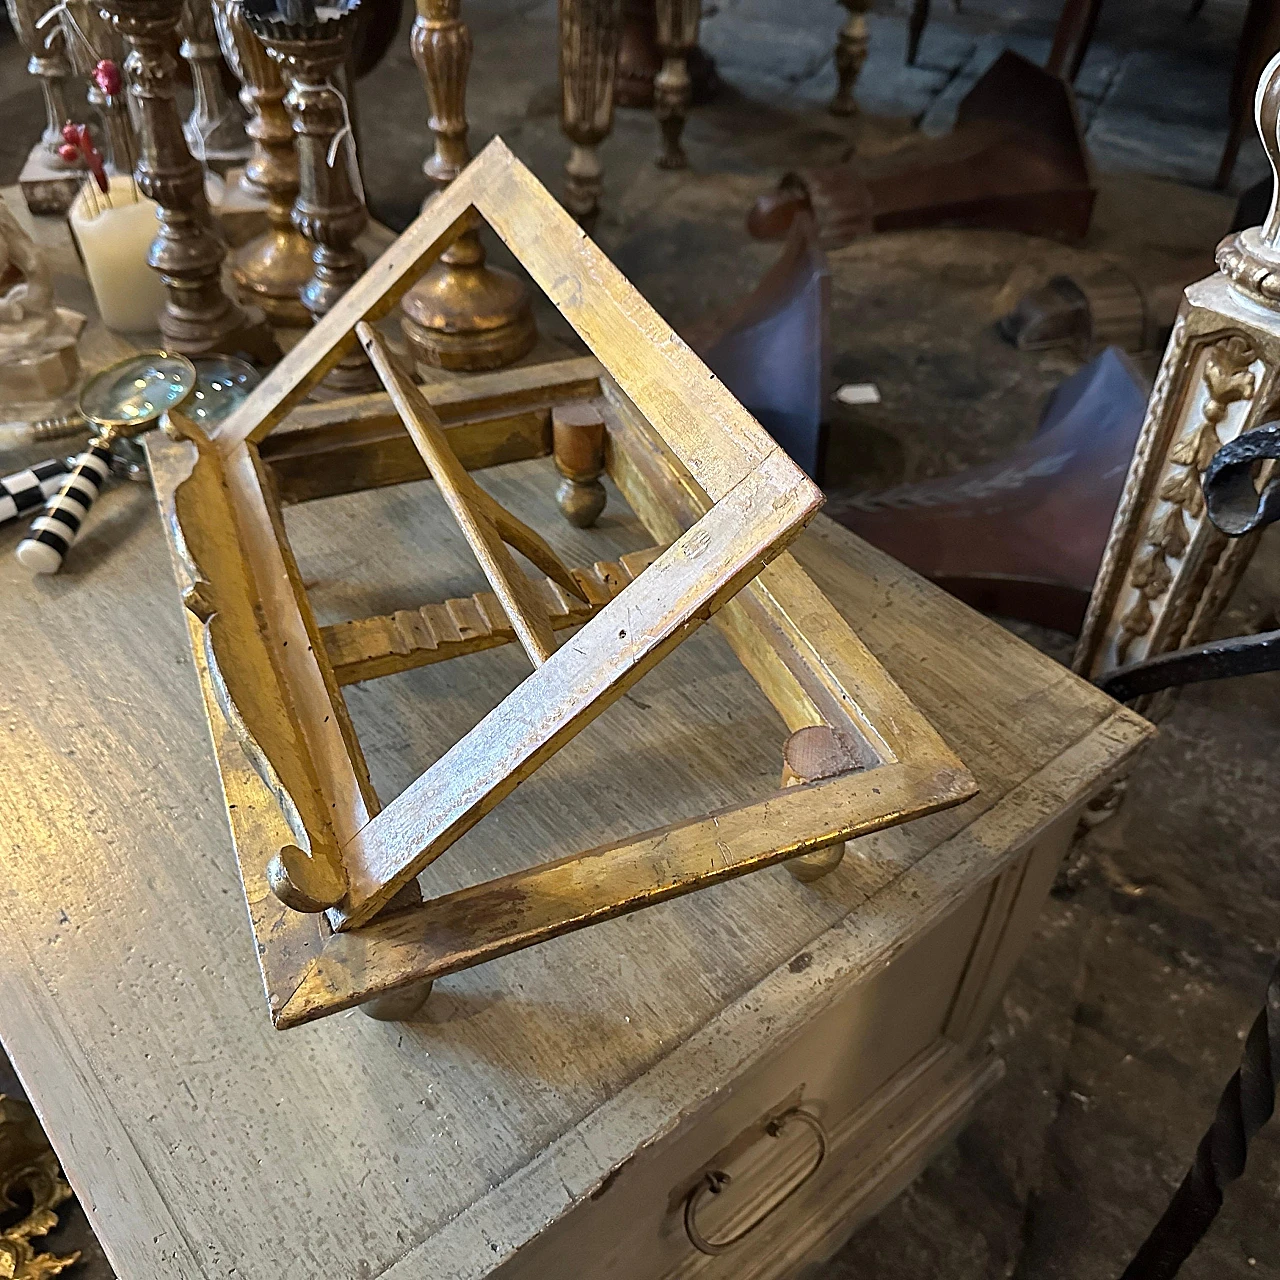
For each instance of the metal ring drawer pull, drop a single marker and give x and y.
(715, 1181)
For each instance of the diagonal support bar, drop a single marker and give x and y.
(485, 524)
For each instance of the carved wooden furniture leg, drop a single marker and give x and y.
(672, 88)
(272, 268)
(330, 210)
(1167, 572)
(589, 36)
(463, 314)
(577, 439)
(48, 183)
(215, 128)
(197, 316)
(817, 751)
(851, 55)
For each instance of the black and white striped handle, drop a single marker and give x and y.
(26, 491)
(54, 530)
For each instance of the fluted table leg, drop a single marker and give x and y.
(197, 317)
(589, 35)
(851, 54)
(462, 314)
(672, 87)
(272, 268)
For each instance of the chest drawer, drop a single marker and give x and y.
(787, 1135)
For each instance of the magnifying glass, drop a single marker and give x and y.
(121, 402)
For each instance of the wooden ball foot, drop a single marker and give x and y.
(398, 1005)
(814, 752)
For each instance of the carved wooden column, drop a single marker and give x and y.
(851, 54)
(1167, 572)
(672, 87)
(48, 183)
(215, 127)
(197, 316)
(330, 209)
(462, 314)
(589, 35)
(272, 268)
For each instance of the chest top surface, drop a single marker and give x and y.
(200, 1138)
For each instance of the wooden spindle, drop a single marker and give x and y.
(589, 36)
(852, 45)
(678, 22)
(577, 441)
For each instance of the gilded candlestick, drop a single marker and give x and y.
(197, 316)
(272, 268)
(330, 210)
(215, 128)
(462, 314)
(49, 184)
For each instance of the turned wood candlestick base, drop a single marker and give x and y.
(272, 268)
(330, 210)
(197, 317)
(463, 314)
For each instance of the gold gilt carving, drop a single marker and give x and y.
(1227, 379)
(28, 1171)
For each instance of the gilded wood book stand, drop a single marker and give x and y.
(330, 873)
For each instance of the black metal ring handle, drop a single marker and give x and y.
(715, 1181)
(1233, 503)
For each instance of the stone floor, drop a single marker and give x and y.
(1128, 1012)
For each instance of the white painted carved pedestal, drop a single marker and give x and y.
(1167, 572)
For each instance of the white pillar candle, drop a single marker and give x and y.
(114, 240)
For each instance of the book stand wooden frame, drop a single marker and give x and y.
(330, 874)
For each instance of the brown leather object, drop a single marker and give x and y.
(1015, 161)
(1023, 535)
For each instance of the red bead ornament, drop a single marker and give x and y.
(69, 152)
(106, 75)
